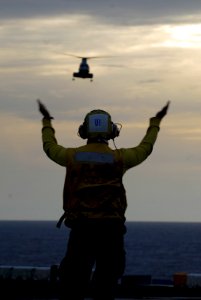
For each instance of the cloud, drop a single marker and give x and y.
(129, 12)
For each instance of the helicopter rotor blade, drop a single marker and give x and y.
(84, 57)
(98, 56)
(69, 54)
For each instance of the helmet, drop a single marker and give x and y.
(98, 124)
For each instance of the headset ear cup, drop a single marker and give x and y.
(115, 131)
(82, 131)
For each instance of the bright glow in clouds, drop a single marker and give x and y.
(184, 36)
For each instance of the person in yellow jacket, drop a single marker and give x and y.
(94, 201)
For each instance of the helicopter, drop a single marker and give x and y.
(83, 70)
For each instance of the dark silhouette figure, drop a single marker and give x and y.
(94, 201)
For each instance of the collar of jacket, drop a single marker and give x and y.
(97, 140)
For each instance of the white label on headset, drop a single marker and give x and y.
(98, 123)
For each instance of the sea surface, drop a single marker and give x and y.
(158, 249)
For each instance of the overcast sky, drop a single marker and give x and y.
(153, 55)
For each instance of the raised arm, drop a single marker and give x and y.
(55, 152)
(136, 155)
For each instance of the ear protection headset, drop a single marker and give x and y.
(98, 123)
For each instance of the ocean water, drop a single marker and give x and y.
(158, 249)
